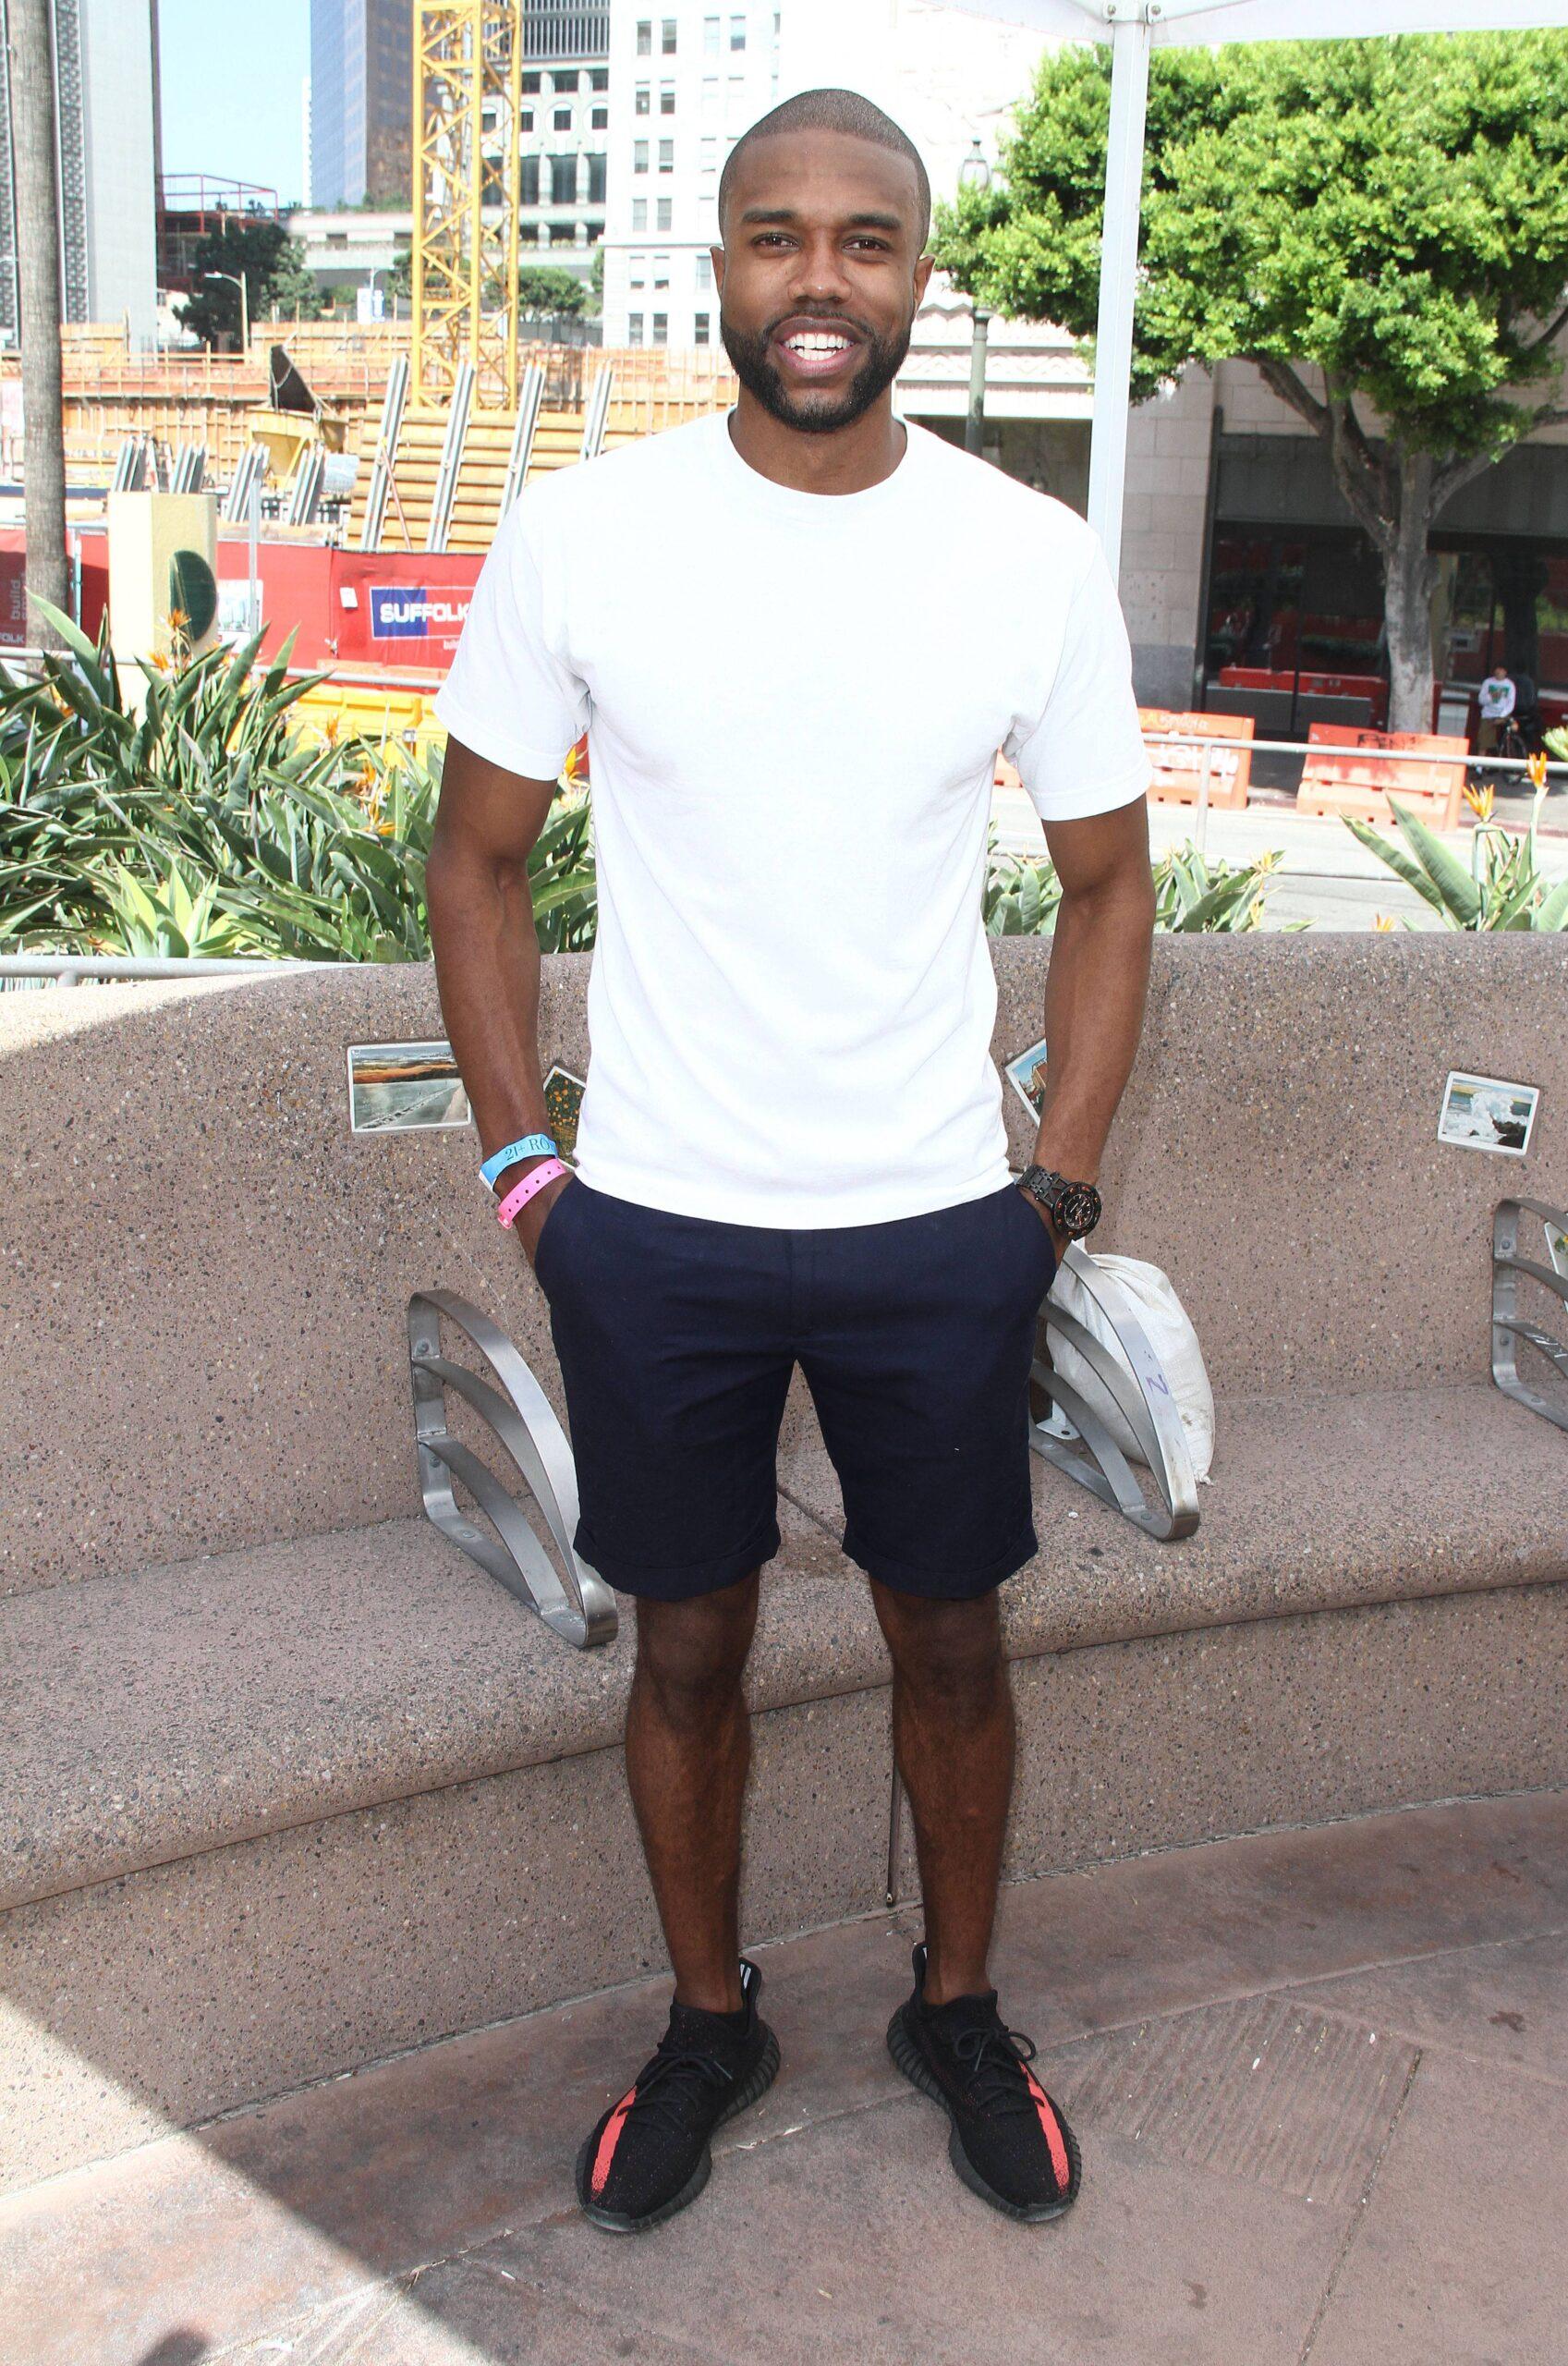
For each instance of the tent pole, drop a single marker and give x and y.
(1118, 274)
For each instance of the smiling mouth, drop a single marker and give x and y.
(815, 353)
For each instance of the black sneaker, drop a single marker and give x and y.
(1010, 2143)
(649, 2156)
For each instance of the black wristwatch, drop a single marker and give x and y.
(1073, 1208)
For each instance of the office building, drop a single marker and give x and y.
(105, 104)
(564, 133)
(361, 102)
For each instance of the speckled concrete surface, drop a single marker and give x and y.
(387, 1664)
(244, 1969)
(196, 1228)
(1273, 2050)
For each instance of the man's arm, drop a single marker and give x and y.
(1097, 987)
(486, 955)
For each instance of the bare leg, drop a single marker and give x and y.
(689, 1745)
(953, 1740)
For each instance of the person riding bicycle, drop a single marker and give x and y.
(1497, 700)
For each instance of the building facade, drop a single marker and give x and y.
(105, 104)
(563, 134)
(361, 102)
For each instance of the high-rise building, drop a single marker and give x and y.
(690, 76)
(106, 112)
(564, 132)
(361, 102)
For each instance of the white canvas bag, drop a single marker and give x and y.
(1170, 1334)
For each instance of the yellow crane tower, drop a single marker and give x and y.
(468, 81)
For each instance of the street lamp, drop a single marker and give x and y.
(377, 271)
(975, 172)
(236, 279)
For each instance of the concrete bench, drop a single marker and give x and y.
(296, 1785)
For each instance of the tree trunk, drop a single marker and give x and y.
(37, 296)
(1410, 584)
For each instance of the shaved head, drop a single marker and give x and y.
(842, 111)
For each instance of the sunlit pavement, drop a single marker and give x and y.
(1320, 2080)
(1326, 875)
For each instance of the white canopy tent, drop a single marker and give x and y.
(1133, 28)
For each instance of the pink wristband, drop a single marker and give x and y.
(521, 1193)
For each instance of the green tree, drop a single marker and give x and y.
(1380, 225)
(596, 280)
(293, 286)
(545, 288)
(252, 247)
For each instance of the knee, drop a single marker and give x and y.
(691, 1657)
(947, 1655)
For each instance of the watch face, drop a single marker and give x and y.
(1077, 1209)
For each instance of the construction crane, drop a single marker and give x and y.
(468, 83)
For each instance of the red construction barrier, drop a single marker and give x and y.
(1357, 781)
(1178, 771)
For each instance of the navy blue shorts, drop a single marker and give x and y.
(677, 1336)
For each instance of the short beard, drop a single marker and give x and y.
(814, 413)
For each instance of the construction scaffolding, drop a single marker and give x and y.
(467, 82)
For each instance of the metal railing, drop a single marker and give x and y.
(1510, 1328)
(70, 969)
(1370, 758)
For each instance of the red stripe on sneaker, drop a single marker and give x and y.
(1051, 2127)
(609, 2141)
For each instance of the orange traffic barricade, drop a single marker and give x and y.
(1178, 767)
(1351, 771)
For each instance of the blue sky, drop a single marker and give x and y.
(231, 72)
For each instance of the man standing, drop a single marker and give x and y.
(1496, 699)
(797, 633)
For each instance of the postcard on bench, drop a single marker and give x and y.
(395, 1087)
(1486, 1113)
(1026, 1074)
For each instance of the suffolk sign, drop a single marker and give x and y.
(413, 612)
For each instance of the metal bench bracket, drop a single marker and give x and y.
(1508, 1326)
(523, 1423)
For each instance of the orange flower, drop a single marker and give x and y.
(177, 618)
(1382, 922)
(1481, 801)
(1535, 767)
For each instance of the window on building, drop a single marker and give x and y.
(598, 79)
(639, 213)
(600, 120)
(737, 32)
(709, 156)
(525, 117)
(643, 102)
(598, 176)
(660, 328)
(661, 270)
(667, 40)
(562, 119)
(710, 97)
(666, 212)
(634, 328)
(711, 36)
(699, 328)
(529, 190)
(531, 85)
(639, 156)
(563, 234)
(704, 274)
(737, 93)
(337, 237)
(595, 232)
(562, 180)
(666, 155)
(666, 97)
(645, 37)
(637, 271)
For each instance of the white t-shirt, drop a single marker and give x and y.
(1497, 697)
(793, 702)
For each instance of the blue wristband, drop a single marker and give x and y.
(531, 1146)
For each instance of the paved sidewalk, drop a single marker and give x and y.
(1326, 876)
(1321, 2077)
